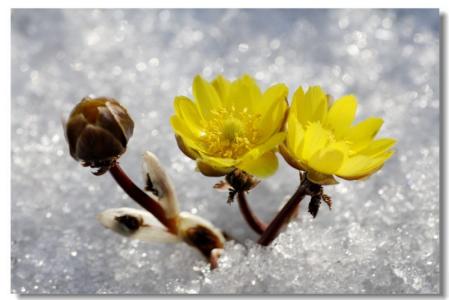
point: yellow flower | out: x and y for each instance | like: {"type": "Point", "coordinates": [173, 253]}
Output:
{"type": "Point", "coordinates": [231, 125]}
{"type": "Point", "coordinates": [322, 141]}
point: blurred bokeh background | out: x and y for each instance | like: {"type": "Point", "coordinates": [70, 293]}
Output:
{"type": "Point", "coordinates": [382, 235]}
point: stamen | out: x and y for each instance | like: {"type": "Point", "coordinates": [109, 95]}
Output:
{"type": "Point", "coordinates": [230, 133]}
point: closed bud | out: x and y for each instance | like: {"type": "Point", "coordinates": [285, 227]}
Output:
{"type": "Point", "coordinates": [136, 224]}
{"type": "Point", "coordinates": [98, 131]}
{"type": "Point", "coordinates": [200, 233]}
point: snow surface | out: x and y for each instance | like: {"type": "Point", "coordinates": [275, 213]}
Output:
{"type": "Point", "coordinates": [382, 235]}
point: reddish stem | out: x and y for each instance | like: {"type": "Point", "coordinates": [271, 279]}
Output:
{"type": "Point", "coordinates": [285, 214]}
{"type": "Point", "coordinates": [139, 196]}
{"type": "Point", "coordinates": [254, 222]}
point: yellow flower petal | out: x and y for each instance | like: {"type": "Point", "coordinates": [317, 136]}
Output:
{"type": "Point", "coordinates": [259, 150]}
{"type": "Point", "coordinates": [189, 139]}
{"type": "Point", "coordinates": [378, 147]}
{"type": "Point", "coordinates": [273, 94]}
{"type": "Point", "coordinates": [311, 106]}
{"type": "Point", "coordinates": [327, 161]}
{"type": "Point", "coordinates": [290, 158]}
{"type": "Point", "coordinates": [186, 110]}
{"type": "Point", "coordinates": [297, 100]}
{"type": "Point", "coordinates": [211, 170]}
{"type": "Point", "coordinates": [384, 156]}
{"type": "Point", "coordinates": [243, 94]}
{"type": "Point", "coordinates": [315, 138]}
{"type": "Point", "coordinates": [376, 165]}
{"type": "Point", "coordinates": [273, 120]}
{"type": "Point", "coordinates": [341, 115]}
{"type": "Point", "coordinates": [262, 167]}
{"type": "Point", "coordinates": [222, 86]}
{"type": "Point", "coordinates": [354, 166]}
{"type": "Point", "coordinates": [206, 97]}
{"type": "Point", "coordinates": [363, 133]}
{"type": "Point", "coordinates": [188, 151]}
{"type": "Point", "coordinates": [295, 135]}
{"type": "Point", "coordinates": [342, 146]}
{"type": "Point", "coordinates": [361, 166]}
{"type": "Point", "coordinates": [181, 127]}
{"type": "Point", "coordinates": [219, 161]}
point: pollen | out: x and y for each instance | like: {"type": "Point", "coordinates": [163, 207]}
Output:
{"type": "Point", "coordinates": [230, 133]}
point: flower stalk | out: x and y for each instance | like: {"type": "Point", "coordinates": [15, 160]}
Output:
{"type": "Point", "coordinates": [255, 223]}
{"type": "Point", "coordinates": [140, 196]}
{"type": "Point", "coordinates": [305, 188]}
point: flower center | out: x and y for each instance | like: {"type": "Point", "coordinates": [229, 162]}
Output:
{"type": "Point", "coordinates": [232, 129]}
{"type": "Point", "coordinates": [230, 133]}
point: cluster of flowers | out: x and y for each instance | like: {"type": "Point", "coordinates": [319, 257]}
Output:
{"type": "Point", "coordinates": [232, 125]}
{"type": "Point", "coordinates": [230, 129]}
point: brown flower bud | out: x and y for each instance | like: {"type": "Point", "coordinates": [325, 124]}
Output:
{"type": "Point", "coordinates": [97, 132]}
